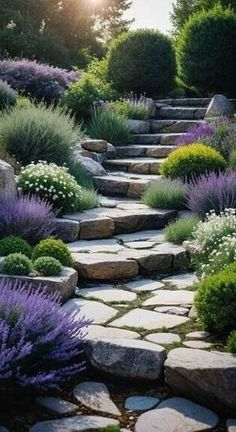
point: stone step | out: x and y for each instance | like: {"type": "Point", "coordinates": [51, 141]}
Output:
{"type": "Point", "coordinates": [155, 138]}
{"type": "Point", "coordinates": [105, 222]}
{"type": "Point", "coordinates": [173, 126]}
{"type": "Point", "coordinates": [159, 151]}
{"type": "Point", "coordinates": [186, 102]}
{"type": "Point", "coordinates": [124, 184]}
{"type": "Point", "coordinates": [184, 113]}
{"type": "Point", "coordinates": [136, 165]}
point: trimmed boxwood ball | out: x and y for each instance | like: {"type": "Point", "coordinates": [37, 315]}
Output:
{"type": "Point", "coordinates": [206, 51]}
{"type": "Point", "coordinates": [192, 161]}
{"type": "Point", "coordinates": [48, 266]}
{"type": "Point", "coordinates": [53, 248]}
{"type": "Point", "coordinates": [13, 244]}
{"type": "Point", "coordinates": [142, 61]}
{"type": "Point", "coordinates": [216, 302]}
{"type": "Point", "coordinates": [17, 264]}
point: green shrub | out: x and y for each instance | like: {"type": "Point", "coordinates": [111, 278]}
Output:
{"type": "Point", "coordinates": [13, 244]}
{"type": "Point", "coordinates": [192, 161]}
{"type": "Point", "coordinates": [129, 110]}
{"type": "Point", "coordinates": [209, 37]}
{"type": "Point", "coordinates": [81, 95]}
{"type": "Point", "coordinates": [39, 133]}
{"type": "Point", "coordinates": [232, 160]}
{"type": "Point", "coordinates": [223, 138]}
{"type": "Point", "coordinates": [216, 302]}
{"type": "Point", "coordinates": [165, 194]}
{"type": "Point", "coordinates": [182, 229]}
{"type": "Point", "coordinates": [48, 266]}
{"type": "Point", "coordinates": [53, 248]}
{"type": "Point", "coordinates": [89, 199]}
{"type": "Point", "coordinates": [231, 342]}
{"type": "Point", "coordinates": [52, 183]}
{"type": "Point", "coordinates": [142, 61]}
{"type": "Point", "coordinates": [109, 126]}
{"type": "Point", "coordinates": [8, 96]}
{"type": "Point", "coordinates": [17, 264]}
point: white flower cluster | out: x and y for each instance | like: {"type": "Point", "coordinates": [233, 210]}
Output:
{"type": "Point", "coordinates": [51, 182]}
{"type": "Point", "coordinates": [221, 257]}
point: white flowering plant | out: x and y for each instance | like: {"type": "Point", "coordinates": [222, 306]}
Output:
{"type": "Point", "coordinates": [52, 183]}
{"type": "Point", "coordinates": [219, 258]}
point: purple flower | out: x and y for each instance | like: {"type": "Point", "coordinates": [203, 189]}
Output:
{"type": "Point", "coordinates": [40, 344]}
{"type": "Point", "coordinates": [196, 134]}
{"type": "Point", "coordinates": [29, 217]}
{"type": "Point", "coordinates": [212, 192]}
{"type": "Point", "coordinates": [35, 80]}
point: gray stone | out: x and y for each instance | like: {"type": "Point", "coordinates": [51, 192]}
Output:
{"type": "Point", "coordinates": [177, 414]}
{"type": "Point", "coordinates": [139, 126]}
{"type": "Point", "coordinates": [174, 310]}
{"type": "Point", "coordinates": [108, 294]}
{"type": "Point", "coordinates": [154, 235]}
{"type": "Point", "coordinates": [111, 150]}
{"type": "Point", "coordinates": [74, 424]}
{"type": "Point", "coordinates": [126, 357]}
{"type": "Point", "coordinates": [144, 285]}
{"type": "Point", "coordinates": [140, 245]}
{"type": "Point", "coordinates": [141, 403]}
{"type": "Point", "coordinates": [94, 246]}
{"type": "Point", "coordinates": [67, 230]}
{"type": "Point", "coordinates": [206, 376]}
{"type": "Point", "coordinates": [169, 298]}
{"type": "Point", "coordinates": [91, 167]}
{"type": "Point", "coordinates": [151, 106]}
{"type": "Point", "coordinates": [198, 335]}
{"type": "Point", "coordinates": [96, 396]}
{"type": "Point", "coordinates": [57, 406]}
{"type": "Point", "coordinates": [95, 311]}
{"type": "Point", "coordinates": [197, 344]}
{"type": "Point", "coordinates": [94, 145]}
{"type": "Point", "coordinates": [231, 425]}
{"type": "Point", "coordinates": [148, 320]}
{"type": "Point", "coordinates": [3, 429]}
{"type": "Point", "coordinates": [181, 281]}
{"type": "Point", "coordinates": [163, 338]}
{"type": "Point", "coordinates": [99, 332]}
{"type": "Point", "coordinates": [7, 180]}
{"type": "Point", "coordinates": [220, 106]}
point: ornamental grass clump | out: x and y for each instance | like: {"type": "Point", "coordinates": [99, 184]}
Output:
{"type": "Point", "coordinates": [110, 126]}
{"type": "Point", "coordinates": [52, 183]}
{"type": "Point", "coordinates": [8, 96]}
{"type": "Point", "coordinates": [28, 217]}
{"type": "Point", "coordinates": [192, 161]}
{"type": "Point", "coordinates": [134, 111]}
{"type": "Point", "coordinates": [166, 194]}
{"type": "Point", "coordinates": [181, 230]}
{"type": "Point", "coordinates": [40, 342]}
{"type": "Point", "coordinates": [212, 192]}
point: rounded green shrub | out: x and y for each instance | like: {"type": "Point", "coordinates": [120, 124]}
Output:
{"type": "Point", "coordinates": [206, 54]}
{"type": "Point", "coordinates": [182, 229]}
{"type": "Point", "coordinates": [47, 266]}
{"type": "Point", "coordinates": [142, 61]}
{"type": "Point", "coordinates": [231, 342]}
{"type": "Point", "coordinates": [216, 302]}
{"type": "Point", "coordinates": [37, 133]}
{"type": "Point", "coordinates": [192, 161]}
{"type": "Point", "coordinates": [166, 194]}
{"type": "Point", "coordinates": [17, 264]}
{"type": "Point", "coordinates": [13, 244]}
{"type": "Point", "coordinates": [53, 248]}
{"type": "Point", "coordinates": [8, 96]}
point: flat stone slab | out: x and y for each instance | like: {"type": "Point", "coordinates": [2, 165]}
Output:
{"type": "Point", "coordinates": [56, 406]}
{"type": "Point", "coordinates": [177, 414]}
{"type": "Point", "coordinates": [67, 230]}
{"type": "Point", "coordinates": [231, 425]}
{"type": "Point", "coordinates": [144, 285]}
{"type": "Point", "coordinates": [100, 332]}
{"type": "Point", "coordinates": [94, 311]}
{"type": "Point", "coordinates": [108, 294]}
{"type": "Point", "coordinates": [182, 281]}
{"type": "Point", "coordinates": [163, 338]}
{"type": "Point", "coordinates": [95, 246]}
{"type": "Point", "coordinates": [198, 335]}
{"type": "Point", "coordinates": [173, 310]}
{"type": "Point", "coordinates": [154, 235]}
{"type": "Point", "coordinates": [197, 344]}
{"type": "Point", "coordinates": [96, 396]}
{"type": "Point", "coordinates": [126, 357]}
{"type": "Point", "coordinates": [206, 376]}
{"type": "Point", "coordinates": [169, 298]}
{"type": "Point", "coordinates": [141, 403]}
{"type": "Point", "coordinates": [140, 245]}
{"type": "Point", "coordinates": [74, 424]}
{"type": "Point", "coordinates": [148, 320]}
{"type": "Point", "coordinates": [136, 165]}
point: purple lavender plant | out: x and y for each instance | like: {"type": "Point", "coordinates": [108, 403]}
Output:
{"type": "Point", "coordinates": [35, 80]}
{"type": "Point", "coordinates": [40, 343]}
{"type": "Point", "coordinates": [28, 217]}
{"type": "Point", "coordinates": [212, 192]}
{"type": "Point", "coordinates": [199, 133]}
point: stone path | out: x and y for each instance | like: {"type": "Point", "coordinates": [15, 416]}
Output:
{"type": "Point", "coordinates": [133, 286]}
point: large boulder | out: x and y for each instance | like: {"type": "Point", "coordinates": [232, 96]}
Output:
{"type": "Point", "coordinates": [7, 180]}
{"type": "Point", "coordinates": [220, 106]}
{"type": "Point", "coordinates": [209, 377]}
{"type": "Point", "coordinates": [139, 126]}
{"type": "Point", "coordinates": [91, 167]}
{"type": "Point", "coordinates": [94, 145]}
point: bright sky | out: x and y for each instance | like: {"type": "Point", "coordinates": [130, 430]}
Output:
{"type": "Point", "coordinates": [151, 14]}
